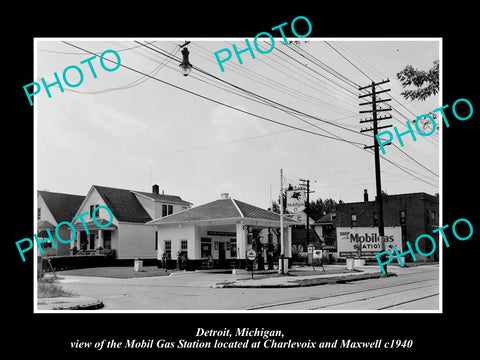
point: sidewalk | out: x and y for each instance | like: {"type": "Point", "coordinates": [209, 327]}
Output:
{"type": "Point", "coordinates": [296, 279]}
{"type": "Point", "coordinates": [299, 276]}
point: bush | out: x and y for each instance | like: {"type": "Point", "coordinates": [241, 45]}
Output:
{"type": "Point", "coordinates": [80, 261]}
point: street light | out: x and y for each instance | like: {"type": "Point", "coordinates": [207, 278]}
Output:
{"type": "Point", "coordinates": [185, 66]}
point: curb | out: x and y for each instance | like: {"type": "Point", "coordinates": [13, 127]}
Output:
{"type": "Point", "coordinates": [71, 303]}
{"type": "Point", "coordinates": [309, 282]}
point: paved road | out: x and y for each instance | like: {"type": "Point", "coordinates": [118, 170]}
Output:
{"type": "Point", "coordinates": [415, 288]}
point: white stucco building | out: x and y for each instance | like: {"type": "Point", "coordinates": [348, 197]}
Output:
{"type": "Point", "coordinates": [222, 229]}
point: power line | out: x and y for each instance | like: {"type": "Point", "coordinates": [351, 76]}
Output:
{"type": "Point", "coordinates": [305, 72]}
{"type": "Point", "coordinates": [244, 111]}
{"type": "Point", "coordinates": [417, 162]}
{"type": "Point", "coordinates": [413, 159]}
{"type": "Point", "coordinates": [316, 72]}
{"type": "Point", "coordinates": [134, 83]}
{"type": "Point", "coordinates": [275, 85]}
{"type": "Point", "coordinates": [355, 66]}
{"type": "Point", "coordinates": [269, 101]}
{"type": "Point", "coordinates": [235, 86]}
{"type": "Point", "coordinates": [305, 54]}
{"type": "Point", "coordinates": [219, 102]}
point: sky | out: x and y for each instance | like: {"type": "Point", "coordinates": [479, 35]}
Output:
{"type": "Point", "coordinates": [127, 130]}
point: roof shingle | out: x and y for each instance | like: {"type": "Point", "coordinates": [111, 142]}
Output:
{"type": "Point", "coordinates": [62, 206]}
{"type": "Point", "coordinates": [123, 204]}
{"type": "Point", "coordinates": [218, 210]}
{"type": "Point", "coordinates": [164, 197]}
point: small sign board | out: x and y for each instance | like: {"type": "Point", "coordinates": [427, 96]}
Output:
{"type": "Point", "coordinates": [251, 254]}
{"type": "Point", "coordinates": [295, 200]}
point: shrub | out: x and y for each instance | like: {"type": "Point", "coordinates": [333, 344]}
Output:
{"type": "Point", "coordinates": [80, 261]}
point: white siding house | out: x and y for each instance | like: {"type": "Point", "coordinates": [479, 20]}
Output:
{"type": "Point", "coordinates": [127, 234]}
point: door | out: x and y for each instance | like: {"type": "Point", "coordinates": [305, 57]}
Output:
{"type": "Point", "coordinates": [83, 240]}
{"type": "Point", "coordinates": [221, 252]}
{"type": "Point", "coordinates": [107, 239]}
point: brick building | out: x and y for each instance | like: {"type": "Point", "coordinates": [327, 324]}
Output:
{"type": "Point", "coordinates": [414, 213]}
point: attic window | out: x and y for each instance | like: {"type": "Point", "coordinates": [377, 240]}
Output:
{"type": "Point", "coordinates": [92, 207]}
{"type": "Point", "coordinates": [167, 210]}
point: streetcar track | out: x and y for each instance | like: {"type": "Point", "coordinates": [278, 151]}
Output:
{"type": "Point", "coordinates": [409, 301]}
{"type": "Point", "coordinates": [376, 296]}
{"type": "Point", "coordinates": [334, 295]}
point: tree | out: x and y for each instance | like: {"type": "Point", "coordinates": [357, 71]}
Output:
{"type": "Point", "coordinates": [426, 82]}
{"type": "Point", "coordinates": [319, 205]}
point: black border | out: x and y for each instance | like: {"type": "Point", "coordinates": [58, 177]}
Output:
{"type": "Point", "coordinates": [432, 333]}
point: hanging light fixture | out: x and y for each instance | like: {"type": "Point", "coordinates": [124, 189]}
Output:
{"type": "Point", "coordinates": [185, 66]}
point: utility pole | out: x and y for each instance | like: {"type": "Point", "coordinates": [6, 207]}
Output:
{"type": "Point", "coordinates": [375, 128]}
{"type": "Point", "coordinates": [282, 244]}
{"type": "Point", "coordinates": [306, 186]}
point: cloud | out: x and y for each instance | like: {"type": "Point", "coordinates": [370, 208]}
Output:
{"type": "Point", "coordinates": [229, 124]}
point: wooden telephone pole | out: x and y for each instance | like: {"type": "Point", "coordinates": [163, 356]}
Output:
{"type": "Point", "coordinates": [375, 119]}
{"type": "Point", "coordinates": [305, 185]}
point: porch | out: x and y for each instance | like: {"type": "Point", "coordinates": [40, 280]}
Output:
{"type": "Point", "coordinates": [98, 240]}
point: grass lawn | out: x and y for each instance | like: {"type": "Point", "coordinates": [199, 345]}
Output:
{"type": "Point", "coordinates": [119, 272]}
{"type": "Point", "coordinates": [47, 288]}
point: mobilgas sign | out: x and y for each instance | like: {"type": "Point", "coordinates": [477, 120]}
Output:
{"type": "Point", "coordinates": [295, 200]}
{"type": "Point", "coordinates": [349, 239]}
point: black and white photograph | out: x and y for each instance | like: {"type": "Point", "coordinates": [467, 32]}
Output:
{"type": "Point", "coordinates": [239, 175]}
{"type": "Point", "coordinates": [297, 181]}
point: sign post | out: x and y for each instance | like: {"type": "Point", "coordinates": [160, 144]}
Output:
{"type": "Point", "coordinates": [251, 255]}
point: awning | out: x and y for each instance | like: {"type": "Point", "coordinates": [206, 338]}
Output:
{"type": "Point", "coordinates": [91, 226]}
{"type": "Point", "coordinates": [42, 227]}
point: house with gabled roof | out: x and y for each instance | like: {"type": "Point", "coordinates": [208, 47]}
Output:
{"type": "Point", "coordinates": [127, 233]}
{"type": "Point", "coordinates": [52, 209]}
{"type": "Point", "coordinates": [223, 230]}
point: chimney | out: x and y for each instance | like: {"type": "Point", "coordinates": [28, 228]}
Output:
{"type": "Point", "coordinates": [224, 196]}
{"type": "Point", "coordinates": [365, 195]}
{"type": "Point", "coordinates": [155, 189]}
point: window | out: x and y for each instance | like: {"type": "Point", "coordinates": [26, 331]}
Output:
{"type": "Point", "coordinates": [430, 216]}
{"type": "Point", "coordinates": [168, 247]}
{"type": "Point", "coordinates": [184, 247]}
{"type": "Point", "coordinates": [233, 247]}
{"type": "Point", "coordinates": [375, 218]}
{"type": "Point", "coordinates": [155, 245]}
{"type": "Point", "coordinates": [433, 218]}
{"type": "Point", "coordinates": [167, 210]}
{"type": "Point", "coordinates": [92, 207]}
{"type": "Point", "coordinates": [403, 217]}
{"type": "Point", "coordinates": [353, 220]}
{"type": "Point", "coordinates": [39, 213]}
{"type": "Point", "coordinates": [206, 247]}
